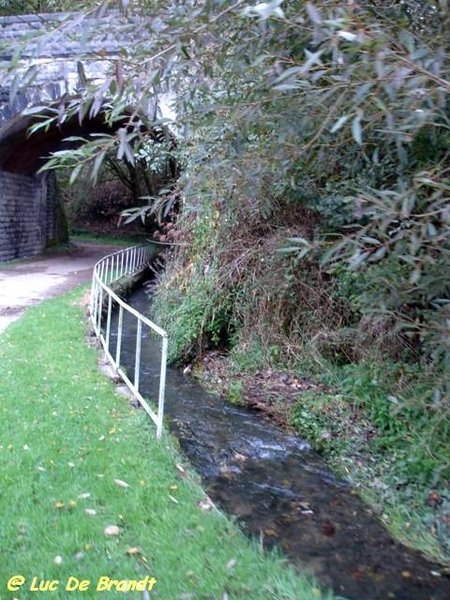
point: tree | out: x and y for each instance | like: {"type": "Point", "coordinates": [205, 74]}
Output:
{"type": "Point", "coordinates": [338, 107]}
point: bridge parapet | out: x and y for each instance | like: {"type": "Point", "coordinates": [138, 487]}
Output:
{"type": "Point", "coordinates": [50, 63]}
{"type": "Point", "coordinates": [73, 34]}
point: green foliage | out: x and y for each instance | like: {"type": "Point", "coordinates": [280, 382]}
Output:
{"type": "Point", "coordinates": [189, 301]}
{"type": "Point", "coordinates": [411, 418]}
{"type": "Point", "coordinates": [194, 319]}
{"type": "Point", "coordinates": [323, 419]}
{"type": "Point", "coordinates": [339, 108]}
{"type": "Point", "coordinates": [313, 145]}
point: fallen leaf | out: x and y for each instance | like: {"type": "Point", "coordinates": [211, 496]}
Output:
{"type": "Point", "coordinates": [328, 529]}
{"type": "Point", "coordinates": [231, 563]}
{"type": "Point", "coordinates": [84, 496]}
{"type": "Point", "coordinates": [239, 456]}
{"type": "Point", "coordinates": [112, 530]}
{"type": "Point", "coordinates": [90, 512]}
{"type": "Point", "coordinates": [133, 550]}
{"type": "Point", "coordinates": [226, 473]}
{"type": "Point", "coordinates": [434, 499]}
{"type": "Point", "coordinates": [58, 560]}
{"type": "Point", "coordinates": [59, 504]}
{"type": "Point", "coordinates": [205, 504]}
{"type": "Point", "coordinates": [270, 532]}
{"type": "Point", "coordinates": [173, 499]}
{"type": "Point", "coordinates": [121, 483]}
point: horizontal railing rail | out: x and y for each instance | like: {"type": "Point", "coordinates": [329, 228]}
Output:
{"type": "Point", "coordinates": [111, 269]}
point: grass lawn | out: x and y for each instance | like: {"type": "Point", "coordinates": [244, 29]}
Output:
{"type": "Point", "coordinates": [88, 495]}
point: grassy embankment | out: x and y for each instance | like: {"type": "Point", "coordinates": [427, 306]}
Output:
{"type": "Point", "coordinates": [77, 460]}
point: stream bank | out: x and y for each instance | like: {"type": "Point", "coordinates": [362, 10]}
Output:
{"type": "Point", "coordinates": [416, 515]}
{"type": "Point", "coordinates": [282, 492]}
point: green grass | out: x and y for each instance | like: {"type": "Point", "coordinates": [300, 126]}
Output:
{"type": "Point", "coordinates": [65, 439]}
{"type": "Point", "coordinates": [119, 240]}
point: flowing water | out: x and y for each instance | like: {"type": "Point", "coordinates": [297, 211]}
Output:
{"type": "Point", "coordinates": [282, 492]}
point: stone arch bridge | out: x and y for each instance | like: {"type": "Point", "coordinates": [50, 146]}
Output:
{"type": "Point", "coordinates": [31, 217]}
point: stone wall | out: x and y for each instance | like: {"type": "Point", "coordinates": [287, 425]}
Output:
{"type": "Point", "coordinates": [30, 216]}
{"type": "Point", "coordinates": [55, 226]}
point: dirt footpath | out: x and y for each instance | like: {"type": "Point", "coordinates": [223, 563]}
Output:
{"type": "Point", "coordinates": [27, 283]}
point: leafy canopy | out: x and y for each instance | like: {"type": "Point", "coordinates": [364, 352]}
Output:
{"type": "Point", "coordinates": [339, 106]}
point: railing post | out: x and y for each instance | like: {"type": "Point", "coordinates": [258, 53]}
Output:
{"type": "Point", "coordinates": [99, 309]}
{"type": "Point", "coordinates": [119, 336]}
{"type": "Point", "coordinates": [108, 322]}
{"type": "Point", "coordinates": [162, 387]}
{"type": "Point", "coordinates": [137, 363]}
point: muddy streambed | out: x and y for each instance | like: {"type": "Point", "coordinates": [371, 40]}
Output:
{"type": "Point", "coordinates": [281, 491]}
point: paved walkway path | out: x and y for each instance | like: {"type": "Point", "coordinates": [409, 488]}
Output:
{"type": "Point", "coordinates": [26, 283]}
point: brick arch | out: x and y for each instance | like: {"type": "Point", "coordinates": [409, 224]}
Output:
{"type": "Point", "coordinates": [23, 153]}
{"type": "Point", "coordinates": [31, 216]}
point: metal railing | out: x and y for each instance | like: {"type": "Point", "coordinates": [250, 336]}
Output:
{"type": "Point", "coordinates": [111, 269]}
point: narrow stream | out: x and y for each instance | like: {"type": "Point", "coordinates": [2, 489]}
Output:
{"type": "Point", "coordinates": [282, 492]}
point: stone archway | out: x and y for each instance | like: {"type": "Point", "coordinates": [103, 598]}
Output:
{"type": "Point", "coordinates": [31, 216]}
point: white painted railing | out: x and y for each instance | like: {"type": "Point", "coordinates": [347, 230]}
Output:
{"type": "Point", "coordinates": [125, 264]}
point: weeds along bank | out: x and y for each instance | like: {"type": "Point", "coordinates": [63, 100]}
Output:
{"type": "Point", "coordinates": [372, 407]}
{"type": "Point", "coordinates": [314, 238]}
